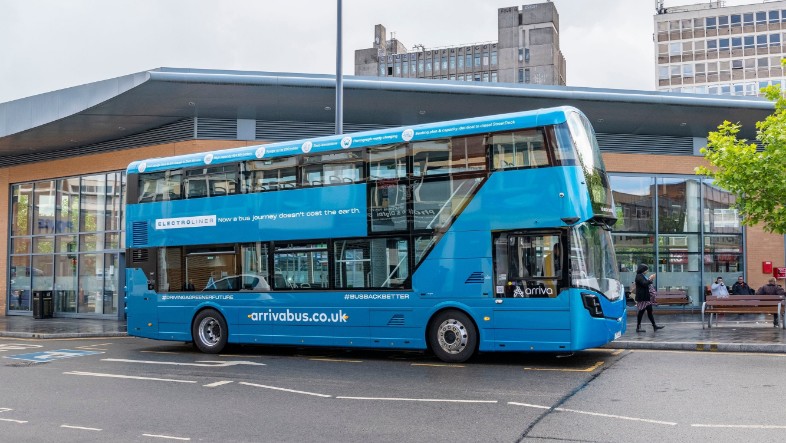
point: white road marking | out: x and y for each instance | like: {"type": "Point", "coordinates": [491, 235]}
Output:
{"type": "Point", "coordinates": [528, 405]}
{"type": "Point", "coordinates": [132, 377]}
{"type": "Point", "coordinates": [239, 356]}
{"type": "Point", "coordinates": [5, 409]}
{"type": "Point", "coordinates": [433, 400]}
{"type": "Point", "coordinates": [218, 383]}
{"type": "Point", "coordinates": [17, 346]}
{"type": "Point", "coordinates": [621, 417]}
{"type": "Point", "coordinates": [83, 428]}
{"type": "Point", "coordinates": [596, 414]}
{"type": "Point", "coordinates": [285, 389]}
{"type": "Point", "coordinates": [200, 363]}
{"type": "Point", "coordinates": [739, 426]}
{"type": "Point", "coordinates": [162, 352]}
{"type": "Point", "coordinates": [167, 436]}
{"type": "Point", "coordinates": [12, 420]}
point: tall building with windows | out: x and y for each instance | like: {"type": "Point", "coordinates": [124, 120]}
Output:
{"type": "Point", "coordinates": [709, 48]}
{"type": "Point", "coordinates": [527, 51]}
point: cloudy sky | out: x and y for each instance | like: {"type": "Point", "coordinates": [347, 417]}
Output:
{"type": "Point", "coordinates": [54, 44]}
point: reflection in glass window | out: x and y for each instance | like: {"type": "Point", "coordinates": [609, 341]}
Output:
{"type": "Point", "coordinates": [160, 186]}
{"type": "Point", "coordinates": [634, 203]}
{"type": "Point", "coordinates": [212, 181]}
{"type": "Point", "coordinates": [371, 263]}
{"type": "Point", "coordinates": [44, 208]}
{"type": "Point", "coordinates": [449, 156]}
{"type": "Point", "coordinates": [22, 209]}
{"type": "Point", "coordinates": [527, 266]}
{"type": "Point", "coordinates": [302, 266]}
{"type": "Point", "coordinates": [270, 174]}
{"type": "Point", "coordinates": [723, 254]}
{"type": "Point", "coordinates": [387, 162]}
{"type": "Point", "coordinates": [719, 214]}
{"type": "Point", "coordinates": [332, 169]}
{"type": "Point", "coordinates": [91, 283]}
{"type": "Point", "coordinates": [436, 203]}
{"type": "Point", "coordinates": [678, 205]}
{"type": "Point", "coordinates": [387, 206]}
{"type": "Point", "coordinates": [518, 149]}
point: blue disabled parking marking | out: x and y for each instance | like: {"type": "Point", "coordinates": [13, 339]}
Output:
{"type": "Point", "coordinates": [47, 356]}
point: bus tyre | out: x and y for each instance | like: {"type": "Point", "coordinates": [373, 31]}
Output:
{"type": "Point", "coordinates": [209, 331]}
{"type": "Point", "coordinates": [452, 336]}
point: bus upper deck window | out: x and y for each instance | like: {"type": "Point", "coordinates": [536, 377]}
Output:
{"type": "Point", "coordinates": [519, 149]}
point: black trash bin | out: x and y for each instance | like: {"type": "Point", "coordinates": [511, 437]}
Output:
{"type": "Point", "coordinates": [42, 304]}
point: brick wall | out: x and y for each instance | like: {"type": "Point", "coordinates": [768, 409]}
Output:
{"type": "Point", "coordinates": [762, 246]}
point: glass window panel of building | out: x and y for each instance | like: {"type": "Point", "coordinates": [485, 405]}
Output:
{"type": "Point", "coordinates": [66, 237]}
{"type": "Point", "coordinates": [691, 221]}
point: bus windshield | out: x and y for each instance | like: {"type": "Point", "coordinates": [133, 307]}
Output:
{"type": "Point", "coordinates": [593, 264]}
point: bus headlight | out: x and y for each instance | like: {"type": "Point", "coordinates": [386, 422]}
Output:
{"type": "Point", "coordinates": [592, 304]}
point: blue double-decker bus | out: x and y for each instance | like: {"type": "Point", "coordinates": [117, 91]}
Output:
{"type": "Point", "coordinates": [483, 234]}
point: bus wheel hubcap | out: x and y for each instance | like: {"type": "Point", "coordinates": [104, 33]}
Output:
{"type": "Point", "coordinates": [452, 336]}
{"type": "Point", "coordinates": [209, 331]}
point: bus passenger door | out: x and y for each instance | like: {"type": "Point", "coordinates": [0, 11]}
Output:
{"type": "Point", "coordinates": [529, 311]}
{"type": "Point", "coordinates": [141, 304]}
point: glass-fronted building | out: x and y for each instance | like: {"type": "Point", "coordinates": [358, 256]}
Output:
{"type": "Point", "coordinates": [682, 227]}
{"type": "Point", "coordinates": [66, 236]}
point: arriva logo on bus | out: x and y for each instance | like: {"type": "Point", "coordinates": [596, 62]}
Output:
{"type": "Point", "coordinates": [527, 292]}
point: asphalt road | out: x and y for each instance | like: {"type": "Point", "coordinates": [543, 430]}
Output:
{"type": "Point", "coordinates": [130, 389]}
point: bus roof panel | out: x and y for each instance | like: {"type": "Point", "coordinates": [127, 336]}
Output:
{"type": "Point", "coordinates": [429, 131]}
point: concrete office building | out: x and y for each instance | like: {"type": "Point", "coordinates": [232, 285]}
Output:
{"type": "Point", "coordinates": [63, 156]}
{"type": "Point", "coordinates": [527, 51]}
{"type": "Point", "coordinates": [708, 48]}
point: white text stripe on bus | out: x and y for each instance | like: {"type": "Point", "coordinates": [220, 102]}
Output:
{"type": "Point", "coordinates": [218, 383]}
{"type": "Point", "coordinates": [435, 400]}
{"type": "Point", "coordinates": [13, 421]}
{"type": "Point", "coordinates": [596, 414]}
{"type": "Point", "coordinates": [83, 428]}
{"type": "Point", "coordinates": [167, 436]}
{"type": "Point", "coordinates": [739, 426]}
{"type": "Point", "coordinates": [132, 377]}
{"type": "Point", "coordinates": [284, 389]}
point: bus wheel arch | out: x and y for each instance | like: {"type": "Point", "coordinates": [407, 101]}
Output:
{"type": "Point", "coordinates": [452, 335]}
{"type": "Point", "coordinates": [209, 331]}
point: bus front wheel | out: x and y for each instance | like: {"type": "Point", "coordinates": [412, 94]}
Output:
{"type": "Point", "coordinates": [209, 331]}
{"type": "Point", "coordinates": [452, 336]}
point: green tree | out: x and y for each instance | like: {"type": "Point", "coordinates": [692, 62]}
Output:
{"type": "Point", "coordinates": [758, 178]}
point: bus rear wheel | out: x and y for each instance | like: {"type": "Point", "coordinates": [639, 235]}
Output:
{"type": "Point", "coordinates": [209, 331]}
{"type": "Point", "coordinates": [452, 336]}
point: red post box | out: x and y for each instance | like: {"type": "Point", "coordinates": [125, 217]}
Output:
{"type": "Point", "coordinates": [766, 267]}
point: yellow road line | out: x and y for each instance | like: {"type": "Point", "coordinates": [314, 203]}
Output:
{"type": "Point", "coordinates": [590, 369]}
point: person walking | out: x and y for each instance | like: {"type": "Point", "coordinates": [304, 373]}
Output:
{"type": "Point", "coordinates": [771, 288]}
{"type": "Point", "coordinates": [643, 297]}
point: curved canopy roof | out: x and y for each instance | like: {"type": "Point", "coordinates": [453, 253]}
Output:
{"type": "Point", "coordinates": [115, 108]}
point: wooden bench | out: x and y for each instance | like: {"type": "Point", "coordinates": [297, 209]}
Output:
{"type": "Point", "coordinates": [676, 297]}
{"type": "Point", "coordinates": [742, 304]}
